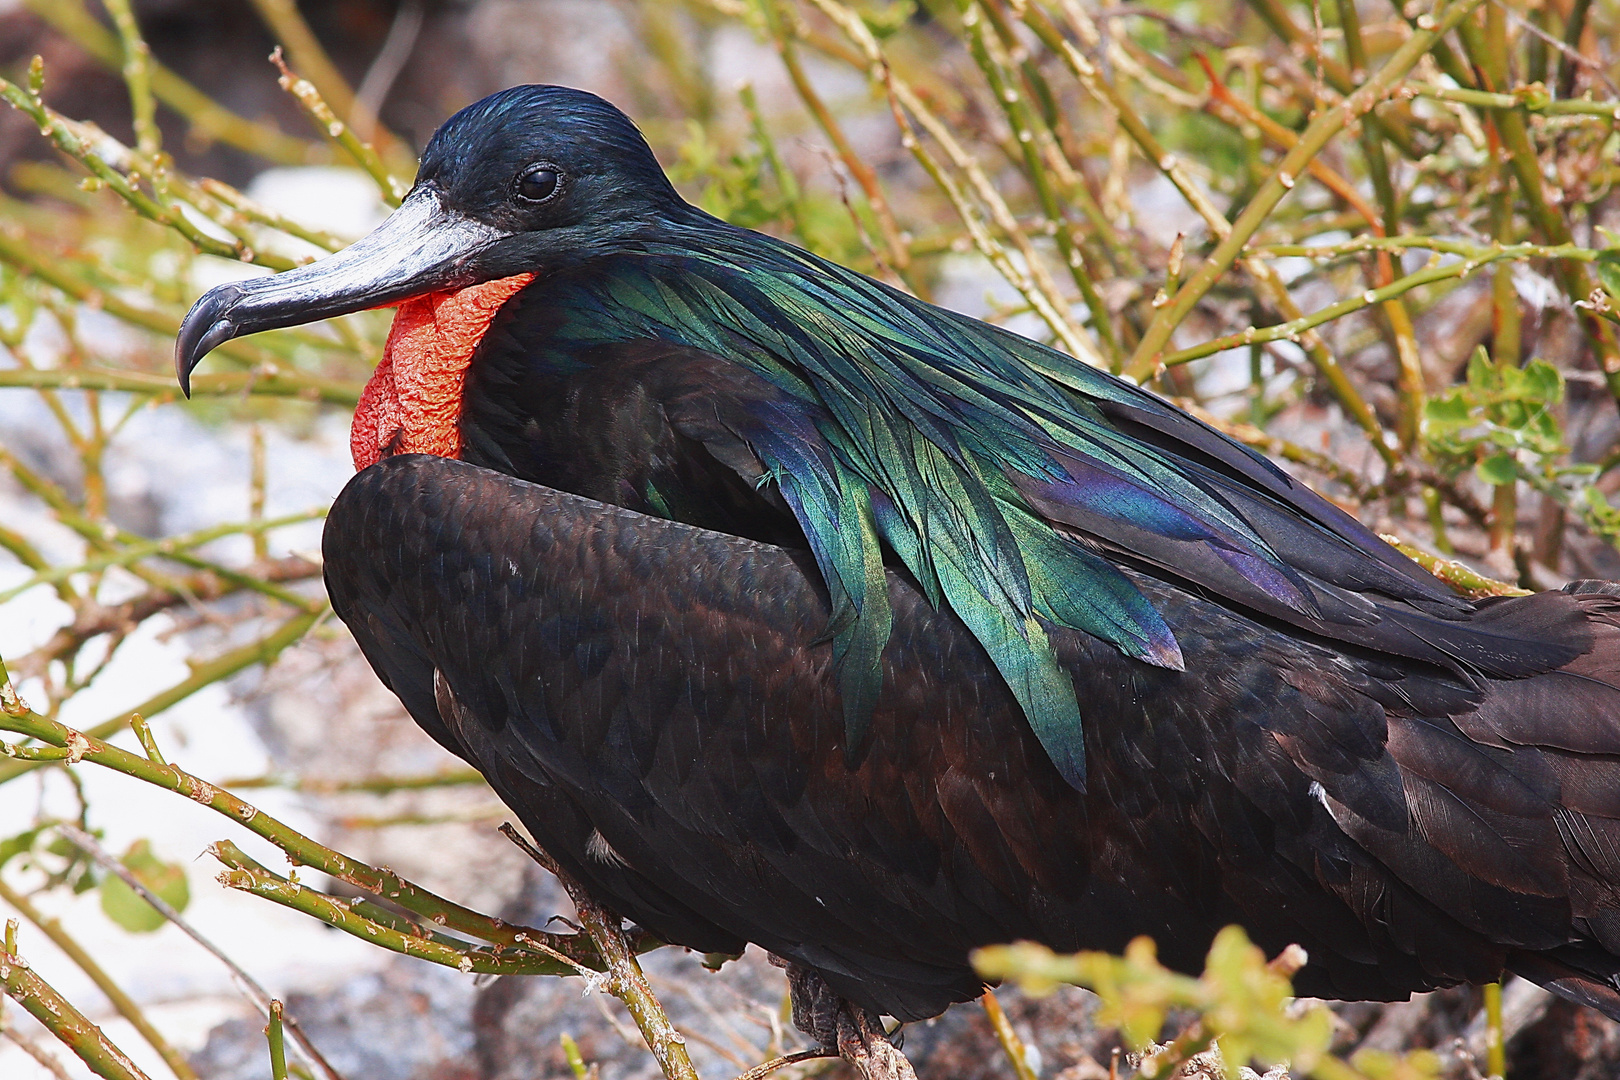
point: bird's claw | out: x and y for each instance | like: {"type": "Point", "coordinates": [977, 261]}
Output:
{"type": "Point", "coordinates": [841, 1027]}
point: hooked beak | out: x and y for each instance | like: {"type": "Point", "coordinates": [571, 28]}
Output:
{"type": "Point", "coordinates": [420, 248]}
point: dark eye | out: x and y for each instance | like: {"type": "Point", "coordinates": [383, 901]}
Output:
{"type": "Point", "coordinates": [538, 184]}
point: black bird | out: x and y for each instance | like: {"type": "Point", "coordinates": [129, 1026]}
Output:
{"type": "Point", "coordinates": [784, 608]}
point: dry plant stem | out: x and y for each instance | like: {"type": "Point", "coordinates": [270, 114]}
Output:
{"type": "Point", "coordinates": [1228, 107]}
{"type": "Point", "coordinates": [1487, 52]}
{"type": "Point", "coordinates": [103, 536]}
{"type": "Point", "coordinates": [261, 999]}
{"type": "Point", "coordinates": [85, 144]}
{"type": "Point", "coordinates": [165, 548]}
{"type": "Point", "coordinates": [1031, 280]}
{"type": "Point", "coordinates": [121, 1002]}
{"type": "Point", "coordinates": [97, 532]}
{"type": "Point", "coordinates": [264, 650]}
{"type": "Point", "coordinates": [231, 384]}
{"type": "Point", "coordinates": [1527, 99]}
{"type": "Point", "coordinates": [1148, 353]}
{"type": "Point", "coordinates": [759, 1072]}
{"type": "Point", "coordinates": [899, 256]}
{"type": "Point", "coordinates": [16, 249]}
{"type": "Point", "coordinates": [1398, 287]}
{"type": "Point", "coordinates": [625, 979]}
{"type": "Point", "coordinates": [314, 105]}
{"type": "Point", "coordinates": [70, 1026]}
{"type": "Point", "coordinates": [1402, 334]}
{"type": "Point", "coordinates": [1342, 79]}
{"type": "Point", "coordinates": [993, 61]}
{"type": "Point", "coordinates": [1467, 582]}
{"type": "Point", "coordinates": [245, 206]}
{"type": "Point", "coordinates": [1574, 29]}
{"type": "Point", "coordinates": [1270, 286]}
{"type": "Point", "coordinates": [378, 785]}
{"type": "Point", "coordinates": [376, 925]}
{"type": "Point", "coordinates": [208, 120]}
{"type": "Point", "coordinates": [1050, 136]}
{"type": "Point", "coordinates": [46, 1059]}
{"type": "Point", "coordinates": [1011, 1044]}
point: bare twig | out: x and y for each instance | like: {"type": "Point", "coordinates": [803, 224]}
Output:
{"type": "Point", "coordinates": [257, 994]}
{"type": "Point", "coordinates": [625, 979]}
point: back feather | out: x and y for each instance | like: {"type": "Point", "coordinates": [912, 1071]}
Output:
{"type": "Point", "coordinates": [1006, 476]}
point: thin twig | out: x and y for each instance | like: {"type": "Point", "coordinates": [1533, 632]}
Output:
{"type": "Point", "coordinates": [759, 1072]}
{"type": "Point", "coordinates": [257, 994]}
{"type": "Point", "coordinates": [625, 979]}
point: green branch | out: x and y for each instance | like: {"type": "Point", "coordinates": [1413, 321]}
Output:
{"type": "Point", "coordinates": [1148, 355]}
{"type": "Point", "coordinates": [70, 1026]}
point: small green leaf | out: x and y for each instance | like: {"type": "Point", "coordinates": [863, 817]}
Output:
{"type": "Point", "coordinates": [12, 846]}
{"type": "Point", "coordinates": [124, 906]}
{"type": "Point", "coordinates": [1498, 469]}
{"type": "Point", "coordinates": [1608, 267]}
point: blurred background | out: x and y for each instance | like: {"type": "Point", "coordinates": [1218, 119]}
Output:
{"type": "Point", "coordinates": [162, 557]}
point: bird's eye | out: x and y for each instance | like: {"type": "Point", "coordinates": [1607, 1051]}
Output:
{"type": "Point", "coordinates": [538, 184]}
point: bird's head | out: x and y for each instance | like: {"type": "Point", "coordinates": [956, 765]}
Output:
{"type": "Point", "coordinates": [526, 180]}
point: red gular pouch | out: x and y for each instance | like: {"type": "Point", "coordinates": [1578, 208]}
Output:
{"type": "Point", "coordinates": [412, 405]}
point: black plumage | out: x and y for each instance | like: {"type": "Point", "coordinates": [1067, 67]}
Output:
{"type": "Point", "coordinates": [784, 608]}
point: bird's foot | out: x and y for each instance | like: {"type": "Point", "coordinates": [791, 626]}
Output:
{"type": "Point", "coordinates": [841, 1027]}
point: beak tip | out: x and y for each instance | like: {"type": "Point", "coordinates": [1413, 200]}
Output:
{"type": "Point", "coordinates": [207, 326]}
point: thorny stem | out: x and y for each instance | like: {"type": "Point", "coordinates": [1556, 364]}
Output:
{"type": "Point", "coordinates": [1400, 286]}
{"type": "Point", "coordinates": [1147, 357]}
{"type": "Point", "coordinates": [299, 849]}
{"type": "Point", "coordinates": [376, 925]}
{"type": "Point", "coordinates": [1487, 52]}
{"type": "Point", "coordinates": [1031, 279]}
{"type": "Point", "coordinates": [122, 1003]}
{"type": "Point", "coordinates": [264, 650]}
{"type": "Point", "coordinates": [625, 979]}
{"type": "Point", "coordinates": [209, 120]}
{"type": "Point", "coordinates": [314, 105]}
{"type": "Point", "coordinates": [865, 176]}
{"type": "Point", "coordinates": [260, 998]}
{"type": "Point", "coordinates": [995, 64]}
{"type": "Point", "coordinates": [164, 548]}
{"type": "Point", "coordinates": [1403, 336]}
{"type": "Point", "coordinates": [1269, 284]}
{"type": "Point", "coordinates": [70, 1026]}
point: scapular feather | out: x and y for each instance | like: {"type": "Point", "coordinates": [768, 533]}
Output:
{"type": "Point", "coordinates": [981, 460]}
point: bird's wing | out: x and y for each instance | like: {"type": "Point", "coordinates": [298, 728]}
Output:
{"type": "Point", "coordinates": [1012, 480]}
{"type": "Point", "coordinates": [655, 702]}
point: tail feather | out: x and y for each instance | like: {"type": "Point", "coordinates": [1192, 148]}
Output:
{"type": "Point", "coordinates": [1573, 975]}
{"type": "Point", "coordinates": [1568, 721]}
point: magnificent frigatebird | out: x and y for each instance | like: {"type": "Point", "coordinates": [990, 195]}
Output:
{"type": "Point", "coordinates": [784, 608]}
